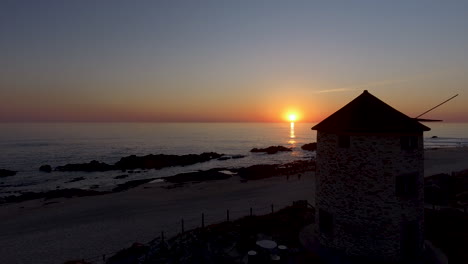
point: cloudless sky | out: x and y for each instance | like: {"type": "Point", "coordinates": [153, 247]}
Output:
{"type": "Point", "coordinates": [228, 60]}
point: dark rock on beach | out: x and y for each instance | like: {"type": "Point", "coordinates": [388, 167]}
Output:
{"type": "Point", "coordinates": [76, 179]}
{"type": "Point", "coordinates": [45, 168]}
{"type": "Point", "coordinates": [121, 176]}
{"type": "Point", "coordinates": [271, 149]}
{"type": "Point", "coordinates": [199, 176]}
{"type": "Point", "coordinates": [7, 173]}
{"type": "Point", "coordinates": [231, 157]}
{"type": "Point", "coordinates": [133, 162]}
{"type": "Point", "coordinates": [310, 146]}
{"type": "Point", "coordinates": [256, 172]}
{"type": "Point", "coordinates": [91, 166]}
{"type": "Point", "coordinates": [131, 184]}
{"type": "Point", "coordinates": [162, 160]}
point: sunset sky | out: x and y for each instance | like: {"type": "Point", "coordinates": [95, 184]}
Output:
{"type": "Point", "coordinates": [228, 60]}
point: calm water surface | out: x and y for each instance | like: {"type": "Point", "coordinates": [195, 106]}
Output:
{"type": "Point", "coordinates": [27, 146]}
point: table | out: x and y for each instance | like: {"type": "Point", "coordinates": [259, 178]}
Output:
{"type": "Point", "coordinates": [267, 244]}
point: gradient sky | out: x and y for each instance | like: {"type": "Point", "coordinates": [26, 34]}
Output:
{"type": "Point", "coordinates": [228, 60]}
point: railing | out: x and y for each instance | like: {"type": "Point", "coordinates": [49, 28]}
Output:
{"type": "Point", "coordinates": [180, 226]}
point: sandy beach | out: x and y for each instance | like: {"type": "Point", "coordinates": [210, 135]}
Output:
{"type": "Point", "coordinates": [63, 229]}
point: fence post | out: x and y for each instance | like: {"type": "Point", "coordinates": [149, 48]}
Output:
{"type": "Point", "coordinates": [104, 258]}
{"type": "Point", "coordinates": [203, 220]}
{"type": "Point", "coordinates": [162, 237]}
{"type": "Point", "coordinates": [227, 215]}
{"type": "Point", "coordinates": [250, 211]}
{"type": "Point", "coordinates": [182, 224]}
{"type": "Point", "coordinates": [272, 208]}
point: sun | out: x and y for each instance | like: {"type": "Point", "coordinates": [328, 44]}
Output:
{"type": "Point", "coordinates": [292, 117]}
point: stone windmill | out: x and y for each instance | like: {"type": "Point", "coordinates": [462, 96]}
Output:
{"type": "Point", "coordinates": [369, 188]}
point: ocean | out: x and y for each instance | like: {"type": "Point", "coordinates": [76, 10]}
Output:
{"type": "Point", "coordinates": [26, 146]}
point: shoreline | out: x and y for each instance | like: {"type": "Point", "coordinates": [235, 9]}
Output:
{"type": "Point", "coordinates": [437, 160]}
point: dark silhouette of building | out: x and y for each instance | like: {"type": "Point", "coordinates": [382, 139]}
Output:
{"type": "Point", "coordinates": [369, 189]}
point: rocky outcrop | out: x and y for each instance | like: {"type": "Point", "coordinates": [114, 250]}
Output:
{"type": "Point", "coordinates": [199, 176]}
{"type": "Point", "coordinates": [249, 173]}
{"type": "Point", "coordinates": [310, 146]}
{"type": "Point", "coordinates": [271, 149]}
{"type": "Point", "coordinates": [256, 172]}
{"type": "Point", "coordinates": [91, 166]}
{"type": "Point", "coordinates": [45, 168]}
{"type": "Point", "coordinates": [76, 179]}
{"type": "Point", "coordinates": [162, 160]}
{"type": "Point", "coordinates": [142, 162]}
{"type": "Point", "coordinates": [7, 173]}
{"type": "Point", "coordinates": [224, 157]}
{"type": "Point", "coordinates": [131, 184]}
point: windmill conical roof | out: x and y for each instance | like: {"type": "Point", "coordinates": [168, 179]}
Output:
{"type": "Point", "coordinates": [368, 114]}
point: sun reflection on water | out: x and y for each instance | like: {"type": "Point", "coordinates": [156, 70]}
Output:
{"type": "Point", "coordinates": [292, 135]}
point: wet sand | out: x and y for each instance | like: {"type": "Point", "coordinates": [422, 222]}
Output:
{"type": "Point", "coordinates": [63, 229]}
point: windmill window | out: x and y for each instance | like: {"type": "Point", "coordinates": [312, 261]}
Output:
{"type": "Point", "coordinates": [325, 221]}
{"type": "Point", "coordinates": [344, 141]}
{"type": "Point", "coordinates": [409, 142]}
{"type": "Point", "coordinates": [407, 185]}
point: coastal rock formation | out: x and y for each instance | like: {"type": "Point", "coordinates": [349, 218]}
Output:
{"type": "Point", "coordinates": [310, 146]}
{"type": "Point", "coordinates": [271, 149]}
{"type": "Point", "coordinates": [131, 184]}
{"type": "Point", "coordinates": [199, 176]}
{"type": "Point", "coordinates": [91, 166]}
{"type": "Point", "coordinates": [6, 173]}
{"type": "Point", "coordinates": [45, 168]}
{"type": "Point", "coordinates": [256, 172]}
{"type": "Point", "coordinates": [162, 160]}
{"type": "Point", "coordinates": [76, 179]}
{"type": "Point", "coordinates": [142, 162]}
{"type": "Point", "coordinates": [224, 157]}
{"type": "Point", "coordinates": [250, 173]}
